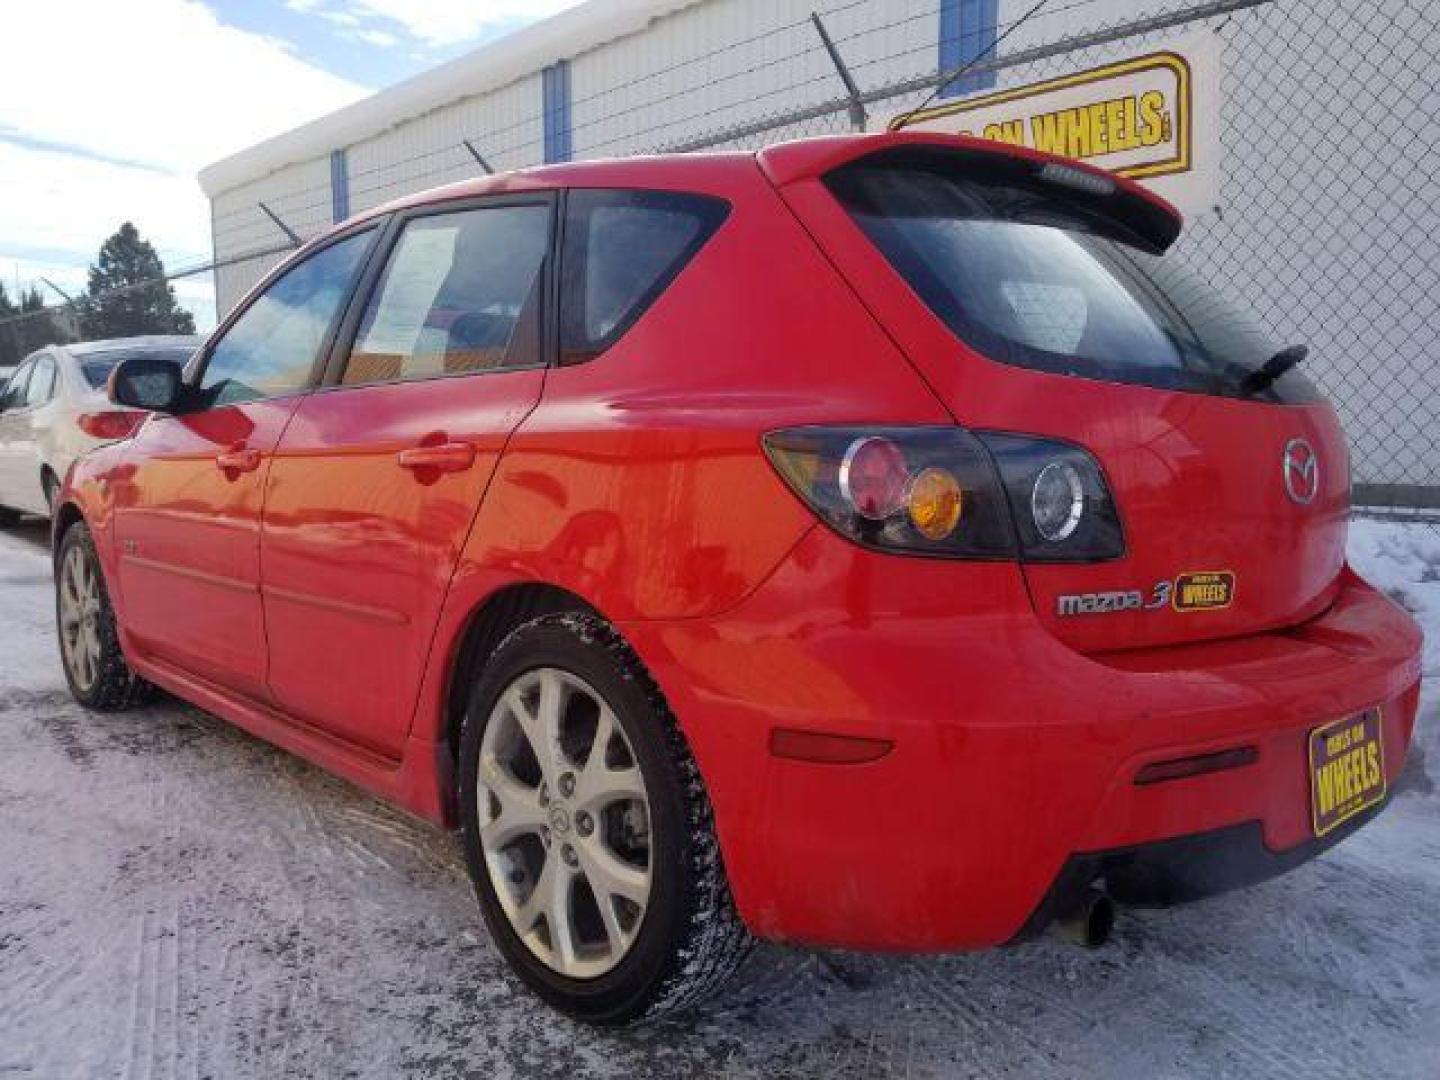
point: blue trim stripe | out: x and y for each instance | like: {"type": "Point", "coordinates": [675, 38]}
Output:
{"type": "Point", "coordinates": [968, 30]}
{"type": "Point", "coordinates": [555, 88]}
{"type": "Point", "coordinates": [339, 187]}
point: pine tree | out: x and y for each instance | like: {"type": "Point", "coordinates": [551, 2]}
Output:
{"type": "Point", "coordinates": [40, 328]}
{"type": "Point", "coordinates": [10, 353]}
{"type": "Point", "coordinates": [126, 296]}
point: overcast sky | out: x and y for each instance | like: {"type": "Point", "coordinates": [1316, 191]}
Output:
{"type": "Point", "coordinates": [109, 108]}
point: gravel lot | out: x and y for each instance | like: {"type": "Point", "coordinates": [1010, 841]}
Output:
{"type": "Point", "coordinates": [178, 899]}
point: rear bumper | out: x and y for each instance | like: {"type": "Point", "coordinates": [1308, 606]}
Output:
{"type": "Point", "coordinates": [1013, 757]}
{"type": "Point", "coordinates": [1163, 873]}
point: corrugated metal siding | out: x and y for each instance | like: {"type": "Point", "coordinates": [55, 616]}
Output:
{"type": "Point", "coordinates": [504, 125]}
{"type": "Point", "coordinates": [1294, 208]}
{"type": "Point", "coordinates": [299, 194]}
{"type": "Point", "coordinates": [730, 62]}
{"type": "Point", "coordinates": [698, 70]}
{"type": "Point", "coordinates": [718, 64]}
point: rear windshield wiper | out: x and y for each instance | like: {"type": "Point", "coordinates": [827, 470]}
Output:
{"type": "Point", "coordinates": [1273, 368]}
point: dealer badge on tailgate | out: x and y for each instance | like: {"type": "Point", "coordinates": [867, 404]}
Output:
{"type": "Point", "coordinates": [1208, 590]}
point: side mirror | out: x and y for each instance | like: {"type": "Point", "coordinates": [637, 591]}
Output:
{"type": "Point", "coordinates": [147, 382]}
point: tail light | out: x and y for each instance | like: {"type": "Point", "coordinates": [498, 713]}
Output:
{"type": "Point", "coordinates": [1058, 497]}
{"type": "Point", "coordinates": [943, 491]}
{"type": "Point", "coordinates": [113, 424]}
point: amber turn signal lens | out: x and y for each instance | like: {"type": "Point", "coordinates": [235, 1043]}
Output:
{"type": "Point", "coordinates": [934, 503]}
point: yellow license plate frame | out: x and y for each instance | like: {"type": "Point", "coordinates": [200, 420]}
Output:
{"type": "Point", "coordinates": [1347, 769]}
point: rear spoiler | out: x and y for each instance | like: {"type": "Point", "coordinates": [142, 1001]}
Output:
{"type": "Point", "coordinates": [1153, 221]}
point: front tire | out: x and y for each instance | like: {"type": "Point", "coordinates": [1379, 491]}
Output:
{"type": "Point", "coordinates": [587, 830]}
{"type": "Point", "coordinates": [95, 667]}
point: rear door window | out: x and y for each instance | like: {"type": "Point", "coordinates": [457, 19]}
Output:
{"type": "Point", "coordinates": [622, 249]}
{"type": "Point", "coordinates": [1023, 278]}
{"type": "Point", "coordinates": [460, 294]}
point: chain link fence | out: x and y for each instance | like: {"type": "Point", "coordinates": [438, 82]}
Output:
{"type": "Point", "coordinates": [1327, 220]}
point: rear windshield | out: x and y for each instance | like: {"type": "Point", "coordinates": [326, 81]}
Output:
{"type": "Point", "coordinates": [98, 365]}
{"type": "Point", "coordinates": [1024, 280]}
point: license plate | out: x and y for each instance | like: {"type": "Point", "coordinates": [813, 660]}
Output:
{"type": "Point", "coordinates": [1347, 769]}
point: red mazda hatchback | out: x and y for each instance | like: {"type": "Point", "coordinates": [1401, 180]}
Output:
{"type": "Point", "coordinates": [872, 542]}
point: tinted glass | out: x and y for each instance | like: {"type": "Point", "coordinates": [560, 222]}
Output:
{"type": "Point", "coordinates": [271, 348]}
{"type": "Point", "coordinates": [96, 367]}
{"type": "Point", "coordinates": [1025, 282]}
{"type": "Point", "coordinates": [42, 383]}
{"type": "Point", "coordinates": [15, 388]}
{"type": "Point", "coordinates": [461, 293]}
{"type": "Point", "coordinates": [622, 249]}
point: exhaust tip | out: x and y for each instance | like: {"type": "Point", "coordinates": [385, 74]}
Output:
{"type": "Point", "coordinates": [1091, 922]}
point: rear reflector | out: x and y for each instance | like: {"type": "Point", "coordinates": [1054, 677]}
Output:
{"type": "Point", "coordinates": [826, 749]}
{"type": "Point", "coordinates": [116, 424]}
{"type": "Point", "coordinates": [1179, 768]}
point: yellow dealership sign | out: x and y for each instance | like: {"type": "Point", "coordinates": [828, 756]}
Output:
{"type": "Point", "coordinates": [1151, 117]}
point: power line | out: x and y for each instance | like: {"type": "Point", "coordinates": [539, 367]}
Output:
{"type": "Point", "coordinates": [653, 135]}
{"type": "Point", "coordinates": [80, 302]}
{"type": "Point", "coordinates": [963, 68]}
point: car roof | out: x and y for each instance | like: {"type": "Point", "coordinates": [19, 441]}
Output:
{"type": "Point", "coordinates": [783, 163]}
{"type": "Point", "coordinates": [142, 341]}
{"type": "Point", "coordinates": [664, 170]}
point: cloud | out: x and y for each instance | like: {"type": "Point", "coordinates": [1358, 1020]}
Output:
{"type": "Point", "coordinates": [148, 91]}
{"type": "Point", "coordinates": [379, 38]}
{"type": "Point", "coordinates": [437, 23]}
{"type": "Point", "coordinates": [159, 81]}
{"type": "Point", "coordinates": [58, 208]}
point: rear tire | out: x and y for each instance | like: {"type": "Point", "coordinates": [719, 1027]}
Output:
{"type": "Point", "coordinates": [686, 939]}
{"type": "Point", "coordinates": [95, 667]}
{"type": "Point", "coordinates": [9, 517]}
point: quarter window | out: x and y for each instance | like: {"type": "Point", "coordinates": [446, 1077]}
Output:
{"type": "Point", "coordinates": [271, 349]}
{"type": "Point", "coordinates": [460, 294]}
{"type": "Point", "coordinates": [622, 250]}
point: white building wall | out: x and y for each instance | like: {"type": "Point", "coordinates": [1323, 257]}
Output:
{"type": "Point", "coordinates": [727, 63]}
{"type": "Point", "coordinates": [1328, 218]}
{"type": "Point", "coordinates": [1306, 223]}
{"type": "Point", "coordinates": [299, 194]}
{"type": "Point", "coordinates": [505, 125]}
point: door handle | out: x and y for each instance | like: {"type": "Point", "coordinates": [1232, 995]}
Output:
{"type": "Point", "coordinates": [445, 457]}
{"type": "Point", "coordinates": [239, 459]}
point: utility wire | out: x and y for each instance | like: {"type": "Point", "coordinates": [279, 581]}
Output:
{"type": "Point", "coordinates": [79, 302]}
{"type": "Point", "coordinates": [408, 180]}
{"type": "Point", "coordinates": [987, 52]}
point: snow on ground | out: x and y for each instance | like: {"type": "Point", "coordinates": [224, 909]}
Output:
{"type": "Point", "coordinates": [179, 899]}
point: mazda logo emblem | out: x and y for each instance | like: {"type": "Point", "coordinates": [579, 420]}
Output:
{"type": "Point", "coordinates": [1301, 469]}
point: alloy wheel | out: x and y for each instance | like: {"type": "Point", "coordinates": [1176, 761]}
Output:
{"type": "Point", "coordinates": [80, 618]}
{"type": "Point", "coordinates": [564, 822]}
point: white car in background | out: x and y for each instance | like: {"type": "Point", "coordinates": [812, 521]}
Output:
{"type": "Point", "coordinates": [53, 408]}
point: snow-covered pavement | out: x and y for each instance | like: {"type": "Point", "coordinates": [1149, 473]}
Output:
{"type": "Point", "coordinates": [178, 899]}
